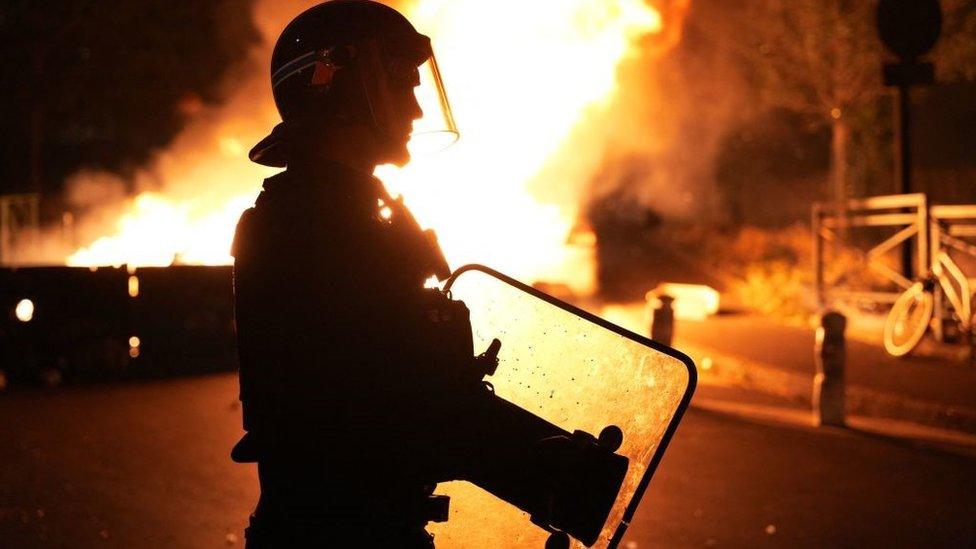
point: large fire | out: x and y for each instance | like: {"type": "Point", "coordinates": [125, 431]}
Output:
{"type": "Point", "coordinates": [529, 83]}
{"type": "Point", "coordinates": [521, 78]}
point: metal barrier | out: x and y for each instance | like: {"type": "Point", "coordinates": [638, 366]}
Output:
{"type": "Point", "coordinates": [909, 212]}
{"type": "Point", "coordinates": [937, 230]}
{"type": "Point", "coordinates": [950, 225]}
{"type": "Point", "coordinates": [116, 322]}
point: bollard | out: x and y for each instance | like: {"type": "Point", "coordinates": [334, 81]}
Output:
{"type": "Point", "coordinates": [828, 384]}
{"type": "Point", "coordinates": [662, 318]}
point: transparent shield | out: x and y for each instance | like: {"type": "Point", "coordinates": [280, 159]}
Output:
{"type": "Point", "coordinates": [578, 372]}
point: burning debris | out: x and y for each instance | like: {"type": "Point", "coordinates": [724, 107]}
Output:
{"type": "Point", "coordinates": [509, 194]}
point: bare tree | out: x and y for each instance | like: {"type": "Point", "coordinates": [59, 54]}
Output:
{"type": "Point", "coordinates": [955, 54]}
{"type": "Point", "coordinates": [823, 58]}
{"type": "Point", "coordinates": [820, 58]}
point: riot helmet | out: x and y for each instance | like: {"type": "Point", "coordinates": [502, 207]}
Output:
{"type": "Point", "coordinates": [348, 61]}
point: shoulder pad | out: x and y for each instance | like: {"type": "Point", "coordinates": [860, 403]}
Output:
{"type": "Point", "coordinates": [240, 234]}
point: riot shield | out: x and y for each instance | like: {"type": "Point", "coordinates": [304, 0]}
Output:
{"type": "Point", "coordinates": [578, 372]}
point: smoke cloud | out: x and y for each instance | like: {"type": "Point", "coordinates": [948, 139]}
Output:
{"type": "Point", "coordinates": [653, 141]}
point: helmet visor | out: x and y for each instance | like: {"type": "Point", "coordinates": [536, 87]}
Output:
{"type": "Point", "coordinates": [406, 93]}
{"type": "Point", "coordinates": [435, 130]}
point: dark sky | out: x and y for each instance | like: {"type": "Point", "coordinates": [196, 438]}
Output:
{"type": "Point", "coordinates": [103, 84]}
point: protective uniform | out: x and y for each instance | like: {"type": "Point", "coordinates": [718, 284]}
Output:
{"type": "Point", "coordinates": [325, 303]}
{"type": "Point", "coordinates": [330, 302]}
{"type": "Point", "coordinates": [360, 387]}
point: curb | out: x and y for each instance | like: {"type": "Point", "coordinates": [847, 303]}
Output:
{"type": "Point", "coordinates": [725, 370]}
{"type": "Point", "coordinates": [919, 435]}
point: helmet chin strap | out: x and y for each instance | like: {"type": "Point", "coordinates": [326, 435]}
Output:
{"type": "Point", "coordinates": [300, 141]}
{"type": "Point", "coordinates": [391, 149]}
{"type": "Point", "coordinates": [357, 146]}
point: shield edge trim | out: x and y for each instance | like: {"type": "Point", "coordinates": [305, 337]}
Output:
{"type": "Point", "coordinates": [623, 332]}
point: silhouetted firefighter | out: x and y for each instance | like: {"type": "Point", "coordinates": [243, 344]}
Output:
{"type": "Point", "coordinates": [360, 388]}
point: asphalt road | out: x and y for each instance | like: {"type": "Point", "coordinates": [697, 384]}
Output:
{"type": "Point", "coordinates": [146, 465]}
{"type": "Point", "coordinates": [791, 349]}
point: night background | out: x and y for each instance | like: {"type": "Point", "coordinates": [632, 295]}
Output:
{"type": "Point", "coordinates": [721, 152]}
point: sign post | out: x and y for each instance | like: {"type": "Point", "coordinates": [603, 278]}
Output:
{"type": "Point", "coordinates": [909, 29]}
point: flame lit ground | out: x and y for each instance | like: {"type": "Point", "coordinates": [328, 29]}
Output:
{"type": "Point", "coordinates": [146, 465]}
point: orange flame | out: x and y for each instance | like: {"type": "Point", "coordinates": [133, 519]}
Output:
{"type": "Point", "coordinates": [520, 81]}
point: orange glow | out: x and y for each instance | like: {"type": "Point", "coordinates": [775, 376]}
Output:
{"type": "Point", "coordinates": [691, 301]}
{"type": "Point", "coordinates": [159, 231]}
{"type": "Point", "coordinates": [24, 311]}
{"type": "Point", "coordinates": [134, 347]}
{"type": "Point", "coordinates": [516, 98]}
{"type": "Point", "coordinates": [516, 95]}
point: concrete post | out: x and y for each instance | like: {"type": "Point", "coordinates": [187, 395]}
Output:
{"type": "Point", "coordinates": [830, 357]}
{"type": "Point", "coordinates": [662, 319]}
